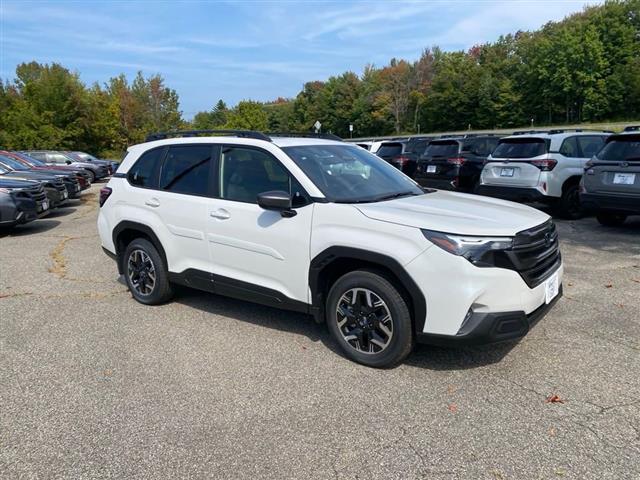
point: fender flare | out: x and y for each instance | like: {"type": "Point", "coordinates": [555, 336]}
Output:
{"type": "Point", "coordinates": [336, 253]}
{"type": "Point", "coordinates": [139, 227]}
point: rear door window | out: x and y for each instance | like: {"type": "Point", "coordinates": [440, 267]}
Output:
{"type": "Point", "coordinates": [417, 146]}
{"type": "Point", "coordinates": [186, 169]}
{"type": "Point", "coordinates": [520, 148]}
{"type": "Point", "coordinates": [569, 147]}
{"type": "Point", "coordinates": [621, 149]}
{"type": "Point", "coordinates": [442, 149]}
{"type": "Point", "coordinates": [389, 149]}
{"type": "Point", "coordinates": [590, 145]}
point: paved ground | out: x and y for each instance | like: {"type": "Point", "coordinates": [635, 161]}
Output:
{"type": "Point", "coordinates": [94, 385]}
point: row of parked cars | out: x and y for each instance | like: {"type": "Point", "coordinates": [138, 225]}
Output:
{"type": "Point", "coordinates": [573, 171]}
{"type": "Point", "coordinates": [34, 182]}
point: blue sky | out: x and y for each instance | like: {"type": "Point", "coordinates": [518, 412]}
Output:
{"type": "Point", "coordinates": [208, 50]}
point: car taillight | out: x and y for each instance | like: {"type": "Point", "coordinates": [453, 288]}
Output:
{"type": "Point", "coordinates": [545, 165]}
{"type": "Point", "coordinates": [401, 160]}
{"type": "Point", "coordinates": [104, 194]}
{"type": "Point", "coordinates": [456, 160]}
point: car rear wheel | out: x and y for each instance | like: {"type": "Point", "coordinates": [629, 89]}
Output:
{"type": "Point", "coordinates": [369, 319]}
{"type": "Point", "coordinates": [145, 273]}
{"type": "Point", "coordinates": [569, 206]}
{"type": "Point", "coordinates": [92, 176]}
{"type": "Point", "coordinates": [611, 219]}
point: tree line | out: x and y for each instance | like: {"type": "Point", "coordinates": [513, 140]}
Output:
{"type": "Point", "coordinates": [584, 68]}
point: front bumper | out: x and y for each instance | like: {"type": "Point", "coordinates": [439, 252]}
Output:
{"type": "Point", "coordinates": [487, 328]}
{"type": "Point", "coordinates": [515, 194]}
{"type": "Point", "coordinates": [619, 203]}
{"type": "Point", "coordinates": [454, 290]}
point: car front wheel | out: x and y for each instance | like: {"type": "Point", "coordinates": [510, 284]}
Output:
{"type": "Point", "coordinates": [145, 273]}
{"type": "Point", "coordinates": [369, 318]}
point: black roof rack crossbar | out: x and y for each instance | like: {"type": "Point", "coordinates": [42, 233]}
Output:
{"type": "Point", "coordinates": [325, 136]}
{"type": "Point", "coordinates": [194, 133]}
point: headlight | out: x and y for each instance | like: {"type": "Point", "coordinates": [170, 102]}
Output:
{"type": "Point", "coordinates": [475, 249]}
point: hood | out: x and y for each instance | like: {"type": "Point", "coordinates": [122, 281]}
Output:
{"type": "Point", "coordinates": [29, 175]}
{"type": "Point", "coordinates": [14, 183]}
{"type": "Point", "coordinates": [458, 213]}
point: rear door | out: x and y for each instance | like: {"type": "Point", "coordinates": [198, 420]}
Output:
{"type": "Point", "coordinates": [510, 163]}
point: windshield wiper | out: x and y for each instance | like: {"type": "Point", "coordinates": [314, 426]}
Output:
{"type": "Point", "coordinates": [391, 196]}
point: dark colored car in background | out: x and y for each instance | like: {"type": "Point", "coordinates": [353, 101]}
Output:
{"type": "Point", "coordinates": [395, 153]}
{"type": "Point", "coordinates": [87, 157]}
{"type": "Point", "coordinates": [81, 175]}
{"type": "Point", "coordinates": [33, 188]}
{"type": "Point", "coordinates": [17, 207]}
{"type": "Point", "coordinates": [610, 186]}
{"type": "Point", "coordinates": [96, 172]}
{"type": "Point", "coordinates": [54, 184]}
{"type": "Point", "coordinates": [454, 163]}
{"type": "Point", "coordinates": [54, 188]}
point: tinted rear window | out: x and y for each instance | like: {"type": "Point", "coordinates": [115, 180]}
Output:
{"type": "Point", "coordinates": [442, 149]}
{"type": "Point", "coordinates": [417, 145]}
{"type": "Point", "coordinates": [621, 149]}
{"type": "Point", "coordinates": [520, 148]}
{"type": "Point", "coordinates": [389, 149]}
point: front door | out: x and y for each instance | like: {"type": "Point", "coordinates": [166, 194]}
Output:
{"type": "Point", "coordinates": [255, 250]}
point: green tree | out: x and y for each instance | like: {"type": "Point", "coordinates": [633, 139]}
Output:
{"type": "Point", "coordinates": [248, 115]}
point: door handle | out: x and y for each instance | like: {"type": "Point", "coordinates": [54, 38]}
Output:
{"type": "Point", "coordinates": [221, 214]}
{"type": "Point", "coordinates": [152, 202]}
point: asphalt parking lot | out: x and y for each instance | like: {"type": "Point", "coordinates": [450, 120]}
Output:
{"type": "Point", "coordinates": [95, 385]}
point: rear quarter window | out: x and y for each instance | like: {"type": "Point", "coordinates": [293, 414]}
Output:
{"type": "Point", "coordinates": [389, 149]}
{"type": "Point", "coordinates": [144, 173]}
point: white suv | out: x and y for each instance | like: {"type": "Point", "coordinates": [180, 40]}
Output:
{"type": "Point", "coordinates": [541, 167]}
{"type": "Point", "coordinates": [326, 228]}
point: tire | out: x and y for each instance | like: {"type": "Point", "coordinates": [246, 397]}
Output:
{"type": "Point", "coordinates": [92, 176]}
{"type": "Point", "coordinates": [363, 324]}
{"type": "Point", "coordinates": [569, 205]}
{"type": "Point", "coordinates": [150, 287]}
{"type": "Point", "coordinates": [611, 219]}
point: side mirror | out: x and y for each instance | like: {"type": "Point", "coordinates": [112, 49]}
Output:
{"type": "Point", "coordinates": [277, 200]}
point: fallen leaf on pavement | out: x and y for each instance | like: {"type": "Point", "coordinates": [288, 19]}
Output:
{"type": "Point", "coordinates": [608, 285]}
{"type": "Point", "coordinates": [554, 399]}
{"type": "Point", "coordinates": [552, 432]}
{"type": "Point", "coordinates": [453, 408]}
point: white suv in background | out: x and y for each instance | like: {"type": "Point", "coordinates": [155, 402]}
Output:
{"type": "Point", "coordinates": [541, 167]}
{"type": "Point", "coordinates": [326, 228]}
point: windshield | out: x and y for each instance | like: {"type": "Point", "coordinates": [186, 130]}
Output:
{"type": "Point", "coordinates": [442, 149]}
{"type": "Point", "coordinates": [520, 148]}
{"type": "Point", "coordinates": [13, 163]}
{"type": "Point", "coordinates": [621, 149]}
{"type": "Point", "coordinates": [84, 156]}
{"type": "Point", "coordinates": [348, 174]}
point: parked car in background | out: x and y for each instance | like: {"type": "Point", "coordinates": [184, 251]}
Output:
{"type": "Point", "coordinates": [33, 188]}
{"type": "Point", "coordinates": [17, 206]}
{"type": "Point", "coordinates": [541, 167]}
{"type": "Point", "coordinates": [81, 175]}
{"type": "Point", "coordinates": [54, 188]}
{"type": "Point", "coordinates": [96, 172]}
{"type": "Point", "coordinates": [610, 185]}
{"type": "Point", "coordinates": [454, 163]}
{"type": "Point", "coordinates": [59, 185]}
{"type": "Point", "coordinates": [395, 153]}
{"type": "Point", "coordinates": [87, 157]}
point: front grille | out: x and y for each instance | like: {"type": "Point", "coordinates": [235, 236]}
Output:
{"type": "Point", "coordinates": [37, 193]}
{"type": "Point", "coordinates": [536, 253]}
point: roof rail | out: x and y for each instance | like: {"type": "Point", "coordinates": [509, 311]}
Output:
{"type": "Point", "coordinates": [564, 130]}
{"type": "Point", "coordinates": [632, 128]}
{"type": "Point", "coordinates": [325, 136]}
{"type": "Point", "coordinates": [194, 133]}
